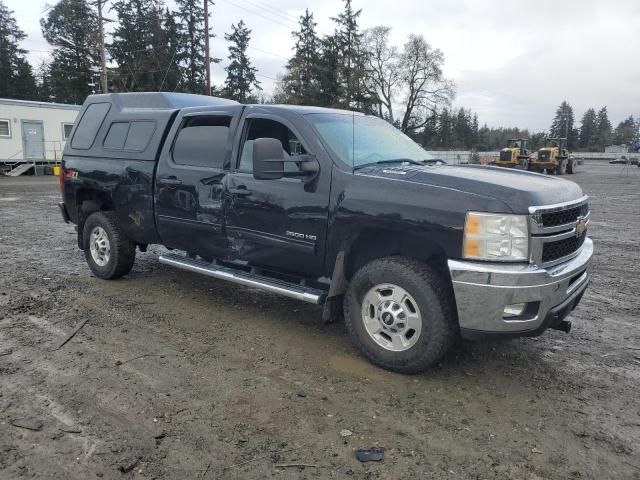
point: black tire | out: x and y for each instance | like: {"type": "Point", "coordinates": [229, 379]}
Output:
{"type": "Point", "coordinates": [572, 167]}
{"type": "Point", "coordinates": [434, 297]}
{"type": "Point", "coordinates": [122, 250]}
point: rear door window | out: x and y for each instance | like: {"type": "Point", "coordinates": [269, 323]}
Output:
{"type": "Point", "coordinates": [89, 125]}
{"type": "Point", "coordinates": [203, 142]}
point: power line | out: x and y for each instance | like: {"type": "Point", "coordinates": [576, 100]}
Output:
{"type": "Point", "coordinates": [276, 13]}
{"type": "Point", "coordinates": [286, 16]}
{"type": "Point", "coordinates": [261, 15]}
{"type": "Point", "coordinates": [266, 76]}
{"type": "Point", "coordinates": [269, 53]}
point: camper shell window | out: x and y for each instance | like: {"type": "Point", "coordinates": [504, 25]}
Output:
{"type": "Point", "coordinates": [89, 125]}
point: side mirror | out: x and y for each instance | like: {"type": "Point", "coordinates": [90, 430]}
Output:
{"type": "Point", "coordinates": [268, 159]}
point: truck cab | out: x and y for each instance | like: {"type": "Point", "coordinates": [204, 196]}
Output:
{"type": "Point", "coordinates": [330, 207]}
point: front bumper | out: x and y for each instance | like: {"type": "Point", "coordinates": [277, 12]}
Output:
{"type": "Point", "coordinates": [483, 290]}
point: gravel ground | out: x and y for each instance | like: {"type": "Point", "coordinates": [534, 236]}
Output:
{"type": "Point", "coordinates": [178, 376]}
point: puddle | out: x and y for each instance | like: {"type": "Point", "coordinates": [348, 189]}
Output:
{"type": "Point", "coordinates": [9, 199]}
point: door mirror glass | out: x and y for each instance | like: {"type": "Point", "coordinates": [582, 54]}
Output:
{"type": "Point", "coordinates": [268, 159]}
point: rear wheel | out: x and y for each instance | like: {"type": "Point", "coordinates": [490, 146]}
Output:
{"type": "Point", "coordinates": [572, 166]}
{"type": "Point", "coordinates": [561, 168]}
{"type": "Point", "coordinates": [109, 253]}
{"type": "Point", "coordinates": [399, 312]}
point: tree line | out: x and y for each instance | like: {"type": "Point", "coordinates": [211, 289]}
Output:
{"type": "Point", "coordinates": [447, 129]}
{"type": "Point", "coordinates": [154, 48]}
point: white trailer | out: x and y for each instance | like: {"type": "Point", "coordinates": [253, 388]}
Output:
{"type": "Point", "coordinates": [33, 133]}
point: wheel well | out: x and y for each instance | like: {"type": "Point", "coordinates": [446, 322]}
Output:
{"type": "Point", "coordinates": [373, 243]}
{"type": "Point", "coordinates": [89, 201]}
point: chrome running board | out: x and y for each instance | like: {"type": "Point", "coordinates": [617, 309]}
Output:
{"type": "Point", "coordinates": [248, 279]}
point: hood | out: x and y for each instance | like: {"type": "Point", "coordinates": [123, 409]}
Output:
{"type": "Point", "coordinates": [516, 188]}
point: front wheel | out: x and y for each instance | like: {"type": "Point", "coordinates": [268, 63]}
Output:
{"type": "Point", "coordinates": [400, 314]}
{"type": "Point", "coordinates": [109, 253]}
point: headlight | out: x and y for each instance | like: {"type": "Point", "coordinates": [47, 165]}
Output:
{"type": "Point", "coordinates": [496, 236]}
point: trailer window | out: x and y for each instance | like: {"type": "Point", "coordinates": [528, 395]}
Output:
{"type": "Point", "coordinates": [66, 130]}
{"type": "Point", "coordinates": [203, 142]}
{"type": "Point", "coordinates": [89, 125]}
{"type": "Point", "coordinates": [5, 128]}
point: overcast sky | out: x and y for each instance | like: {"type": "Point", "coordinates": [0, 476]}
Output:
{"type": "Point", "coordinates": [513, 61]}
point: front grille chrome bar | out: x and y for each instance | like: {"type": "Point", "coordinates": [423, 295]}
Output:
{"type": "Point", "coordinates": [536, 225]}
{"type": "Point", "coordinates": [540, 235]}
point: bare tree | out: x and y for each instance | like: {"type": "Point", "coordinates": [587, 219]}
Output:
{"type": "Point", "coordinates": [424, 84]}
{"type": "Point", "coordinates": [383, 69]}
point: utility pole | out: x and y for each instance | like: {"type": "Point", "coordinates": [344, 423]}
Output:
{"type": "Point", "coordinates": [207, 52]}
{"type": "Point", "coordinates": [104, 85]}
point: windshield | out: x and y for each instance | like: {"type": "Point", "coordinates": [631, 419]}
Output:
{"type": "Point", "coordinates": [359, 140]}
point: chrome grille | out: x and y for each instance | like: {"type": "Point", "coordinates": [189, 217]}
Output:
{"type": "Point", "coordinates": [554, 231]}
{"type": "Point", "coordinates": [552, 251]}
{"type": "Point", "coordinates": [563, 217]}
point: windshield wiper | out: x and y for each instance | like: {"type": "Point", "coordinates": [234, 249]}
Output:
{"type": "Point", "coordinates": [387, 162]}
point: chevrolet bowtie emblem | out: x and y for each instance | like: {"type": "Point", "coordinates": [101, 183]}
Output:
{"type": "Point", "coordinates": [581, 226]}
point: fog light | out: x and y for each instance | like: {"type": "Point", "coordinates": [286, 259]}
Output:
{"type": "Point", "coordinates": [514, 310]}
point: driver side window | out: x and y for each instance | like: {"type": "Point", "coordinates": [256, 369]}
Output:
{"type": "Point", "coordinates": [263, 128]}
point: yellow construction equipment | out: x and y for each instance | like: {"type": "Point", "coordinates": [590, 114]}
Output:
{"type": "Point", "coordinates": [554, 158]}
{"type": "Point", "coordinates": [515, 154]}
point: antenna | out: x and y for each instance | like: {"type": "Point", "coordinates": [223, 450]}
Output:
{"type": "Point", "coordinates": [353, 138]}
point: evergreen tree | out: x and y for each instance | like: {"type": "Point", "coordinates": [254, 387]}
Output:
{"type": "Point", "coordinates": [474, 131]}
{"type": "Point", "coordinates": [300, 84]}
{"type": "Point", "coordinates": [352, 59]}
{"type": "Point", "coordinates": [166, 42]}
{"type": "Point", "coordinates": [429, 137]}
{"type": "Point", "coordinates": [462, 129]}
{"type": "Point", "coordinates": [43, 80]}
{"type": "Point", "coordinates": [16, 76]}
{"type": "Point", "coordinates": [190, 15]}
{"type": "Point", "coordinates": [331, 90]}
{"type": "Point", "coordinates": [562, 125]}
{"type": "Point", "coordinates": [603, 129]}
{"type": "Point", "coordinates": [241, 75]}
{"type": "Point", "coordinates": [588, 129]}
{"type": "Point", "coordinates": [445, 129]}
{"type": "Point", "coordinates": [72, 29]}
{"type": "Point", "coordinates": [536, 140]}
{"type": "Point", "coordinates": [142, 47]}
{"type": "Point", "coordinates": [626, 132]}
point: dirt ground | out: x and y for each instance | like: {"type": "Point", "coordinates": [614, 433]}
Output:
{"type": "Point", "coordinates": [178, 376]}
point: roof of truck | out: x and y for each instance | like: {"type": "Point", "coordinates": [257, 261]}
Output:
{"type": "Point", "coordinates": [169, 100]}
{"type": "Point", "coordinates": [305, 109]}
{"type": "Point", "coordinates": [160, 100]}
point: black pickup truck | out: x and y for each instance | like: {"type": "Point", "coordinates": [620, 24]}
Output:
{"type": "Point", "coordinates": [329, 207]}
